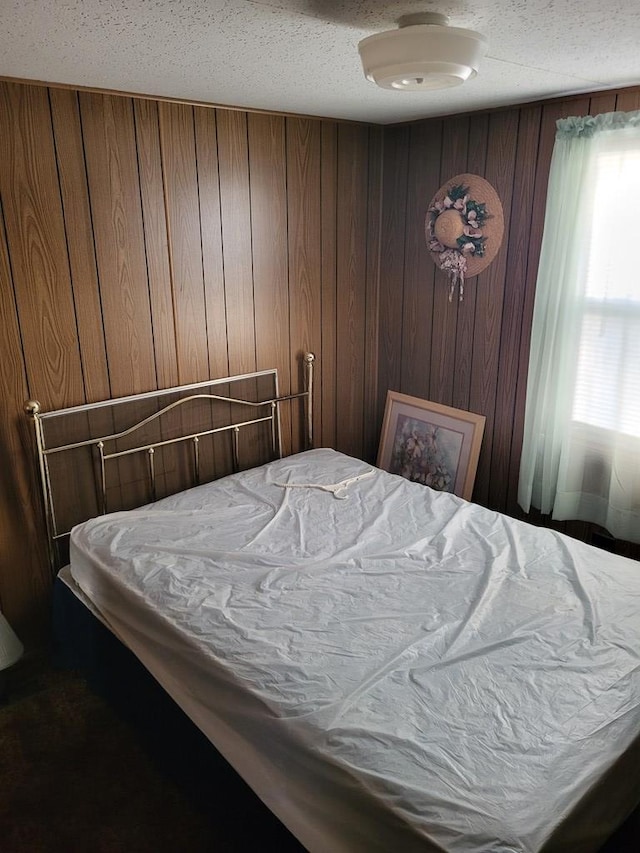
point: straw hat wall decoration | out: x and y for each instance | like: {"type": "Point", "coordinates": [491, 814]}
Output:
{"type": "Point", "coordinates": [464, 228]}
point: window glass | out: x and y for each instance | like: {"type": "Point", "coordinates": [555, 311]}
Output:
{"type": "Point", "coordinates": [608, 375]}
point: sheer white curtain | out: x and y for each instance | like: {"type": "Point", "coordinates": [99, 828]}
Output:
{"type": "Point", "coordinates": [581, 450]}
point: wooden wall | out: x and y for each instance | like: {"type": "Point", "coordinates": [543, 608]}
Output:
{"type": "Point", "coordinates": [471, 354]}
{"type": "Point", "coordinates": [145, 244]}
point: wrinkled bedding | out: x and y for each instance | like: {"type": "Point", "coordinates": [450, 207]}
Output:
{"type": "Point", "coordinates": [390, 668]}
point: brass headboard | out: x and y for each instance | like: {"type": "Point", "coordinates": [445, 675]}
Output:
{"type": "Point", "coordinates": [90, 457]}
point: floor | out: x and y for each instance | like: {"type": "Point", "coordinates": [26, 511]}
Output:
{"type": "Point", "coordinates": [75, 778]}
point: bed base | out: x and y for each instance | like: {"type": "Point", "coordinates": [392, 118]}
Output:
{"type": "Point", "coordinates": [176, 745]}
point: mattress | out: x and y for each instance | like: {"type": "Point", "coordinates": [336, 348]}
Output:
{"type": "Point", "coordinates": [388, 667]}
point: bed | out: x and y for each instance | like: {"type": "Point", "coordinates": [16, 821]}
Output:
{"type": "Point", "coordinates": [388, 667]}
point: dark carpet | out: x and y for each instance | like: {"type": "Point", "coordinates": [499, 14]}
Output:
{"type": "Point", "coordinates": [73, 777]}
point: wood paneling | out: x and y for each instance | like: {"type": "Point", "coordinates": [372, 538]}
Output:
{"type": "Point", "coordinates": [501, 147]}
{"type": "Point", "coordinates": [37, 245]}
{"type": "Point", "coordinates": [351, 256]}
{"type": "Point", "coordinates": [154, 217]}
{"type": "Point", "coordinates": [303, 145]}
{"type": "Point", "coordinates": [372, 318]}
{"type": "Point", "coordinates": [144, 244]}
{"type": "Point", "coordinates": [479, 352]}
{"type": "Point", "coordinates": [512, 379]}
{"type": "Point", "coordinates": [211, 234]}
{"type": "Point", "coordinates": [235, 205]}
{"type": "Point", "coordinates": [453, 161]}
{"type": "Point", "coordinates": [23, 571]}
{"type": "Point", "coordinates": [267, 165]}
{"type": "Point", "coordinates": [476, 164]}
{"type": "Point", "coordinates": [625, 102]}
{"type": "Point", "coordinates": [114, 189]}
{"type": "Point", "coordinates": [82, 258]}
{"type": "Point", "coordinates": [328, 238]}
{"type": "Point", "coordinates": [178, 146]}
{"type": "Point", "coordinates": [392, 267]}
{"type": "Point", "coordinates": [425, 145]}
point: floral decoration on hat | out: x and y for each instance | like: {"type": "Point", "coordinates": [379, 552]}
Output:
{"type": "Point", "coordinates": [464, 228]}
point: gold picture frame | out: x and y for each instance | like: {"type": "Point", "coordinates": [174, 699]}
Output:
{"type": "Point", "coordinates": [432, 444]}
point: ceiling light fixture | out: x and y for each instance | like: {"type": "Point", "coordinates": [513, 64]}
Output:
{"type": "Point", "coordinates": [424, 53]}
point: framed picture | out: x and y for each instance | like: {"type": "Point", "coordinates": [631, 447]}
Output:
{"type": "Point", "coordinates": [431, 444]}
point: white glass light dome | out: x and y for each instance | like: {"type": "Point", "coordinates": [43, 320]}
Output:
{"type": "Point", "coordinates": [423, 54]}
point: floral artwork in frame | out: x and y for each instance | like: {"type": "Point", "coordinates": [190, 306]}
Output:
{"type": "Point", "coordinates": [431, 444]}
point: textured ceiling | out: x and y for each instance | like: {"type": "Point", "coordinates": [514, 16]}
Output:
{"type": "Point", "coordinates": [301, 56]}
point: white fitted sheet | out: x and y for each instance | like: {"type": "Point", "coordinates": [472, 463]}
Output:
{"type": "Point", "coordinates": [397, 670]}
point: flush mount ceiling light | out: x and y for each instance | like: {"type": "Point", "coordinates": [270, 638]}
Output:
{"type": "Point", "coordinates": [424, 53]}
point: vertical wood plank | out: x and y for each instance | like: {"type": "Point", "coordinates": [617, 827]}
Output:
{"type": "Point", "coordinates": [425, 144]}
{"type": "Point", "coordinates": [626, 102]}
{"type": "Point", "coordinates": [268, 195]}
{"type": "Point", "coordinates": [24, 575]}
{"type": "Point", "coordinates": [392, 271]}
{"type": "Point", "coordinates": [211, 235]}
{"type": "Point", "coordinates": [372, 312]}
{"type": "Point", "coordinates": [303, 139]}
{"type": "Point", "coordinates": [509, 376]}
{"type": "Point", "coordinates": [503, 132]}
{"type": "Point", "coordinates": [236, 239]}
{"type": "Point", "coordinates": [178, 150]}
{"type": "Point", "coordinates": [604, 102]}
{"type": "Point", "coordinates": [114, 193]}
{"type": "Point", "coordinates": [154, 217]}
{"type": "Point", "coordinates": [328, 308]}
{"type": "Point", "coordinates": [79, 234]}
{"type": "Point", "coordinates": [445, 312]}
{"type": "Point", "coordinates": [37, 246]}
{"type": "Point", "coordinates": [351, 276]}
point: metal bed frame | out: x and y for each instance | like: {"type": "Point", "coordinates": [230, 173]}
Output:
{"type": "Point", "coordinates": [104, 447]}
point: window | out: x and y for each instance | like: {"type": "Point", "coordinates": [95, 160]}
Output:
{"type": "Point", "coordinates": [581, 450]}
{"type": "Point", "coordinates": [607, 391]}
